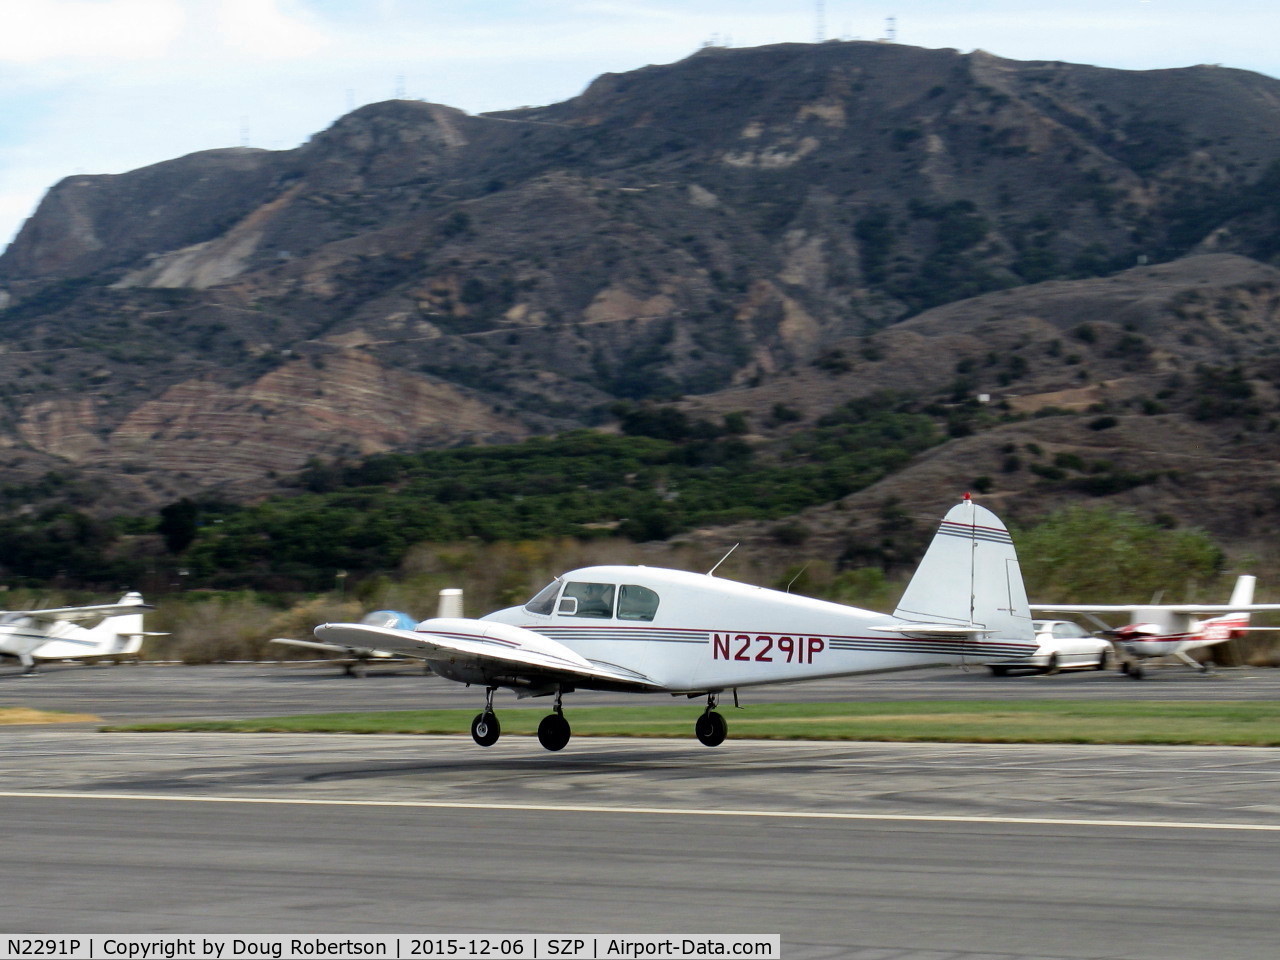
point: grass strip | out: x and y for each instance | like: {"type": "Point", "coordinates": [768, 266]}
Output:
{"type": "Point", "coordinates": [1209, 722]}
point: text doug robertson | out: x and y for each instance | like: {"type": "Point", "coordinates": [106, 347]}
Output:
{"type": "Point", "coordinates": [172, 949]}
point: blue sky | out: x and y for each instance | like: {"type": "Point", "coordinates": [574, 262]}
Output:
{"type": "Point", "coordinates": [105, 86]}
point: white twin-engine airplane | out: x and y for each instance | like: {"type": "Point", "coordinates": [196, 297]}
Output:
{"type": "Point", "coordinates": [1172, 630]}
{"type": "Point", "coordinates": [55, 633]}
{"type": "Point", "coordinates": [652, 630]}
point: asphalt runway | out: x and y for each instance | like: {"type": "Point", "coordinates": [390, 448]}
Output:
{"type": "Point", "coordinates": [860, 850]}
{"type": "Point", "coordinates": [868, 851]}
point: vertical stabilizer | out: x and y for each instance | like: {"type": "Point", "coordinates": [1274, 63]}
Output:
{"type": "Point", "coordinates": [121, 634]}
{"type": "Point", "coordinates": [450, 602]}
{"type": "Point", "coordinates": [970, 576]}
{"type": "Point", "coordinates": [1230, 625]}
{"type": "Point", "coordinates": [1242, 595]}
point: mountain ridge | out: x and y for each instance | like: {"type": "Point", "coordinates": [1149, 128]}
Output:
{"type": "Point", "coordinates": [786, 226]}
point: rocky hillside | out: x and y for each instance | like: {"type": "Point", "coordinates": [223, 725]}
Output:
{"type": "Point", "coordinates": [1156, 389]}
{"type": "Point", "coordinates": [771, 230]}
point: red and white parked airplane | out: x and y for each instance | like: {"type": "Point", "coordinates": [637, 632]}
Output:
{"type": "Point", "coordinates": [1171, 630]}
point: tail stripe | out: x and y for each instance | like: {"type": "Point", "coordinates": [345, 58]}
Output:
{"type": "Point", "coordinates": [968, 532]}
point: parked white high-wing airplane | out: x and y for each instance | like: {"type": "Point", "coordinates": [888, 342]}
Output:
{"type": "Point", "coordinates": [56, 634]}
{"type": "Point", "coordinates": [1172, 629]}
{"type": "Point", "coordinates": [652, 630]}
{"type": "Point", "coordinates": [354, 658]}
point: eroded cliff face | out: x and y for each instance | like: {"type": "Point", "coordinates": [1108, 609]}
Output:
{"type": "Point", "coordinates": [342, 405]}
{"type": "Point", "coordinates": [417, 276]}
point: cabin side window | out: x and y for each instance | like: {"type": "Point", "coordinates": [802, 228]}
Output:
{"type": "Point", "coordinates": [544, 601]}
{"type": "Point", "coordinates": [594, 600]}
{"type": "Point", "coordinates": [636, 603]}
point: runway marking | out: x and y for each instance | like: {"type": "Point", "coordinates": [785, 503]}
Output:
{"type": "Point", "coordinates": [650, 811]}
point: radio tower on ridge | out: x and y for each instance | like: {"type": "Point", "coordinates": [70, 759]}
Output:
{"type": "Point", "coordinates": [819, 21]}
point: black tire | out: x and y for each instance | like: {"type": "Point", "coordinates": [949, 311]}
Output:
{"type": "Point", "coordinates": [1053, 666]}
{"type": "Point", "coordinates": [1136, 672]}
{"type": "Point", "coordinates": [1104, 660]}
{"type": "Point", "coordinates": [999, 671]}
{"type": "Point", "coordinates": [711, 729]}
{"type": "Point", "coordinates": [554, 732]}
{"type": "Point", "coordinates": [485, 729]}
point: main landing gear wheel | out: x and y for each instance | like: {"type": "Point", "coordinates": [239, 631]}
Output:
{"type": "Point", "coordinates": [553, 731]}
{"type": "Point", "coordinates": [711, 728]}
{"type": "Point", "coordinates": [485, 729]}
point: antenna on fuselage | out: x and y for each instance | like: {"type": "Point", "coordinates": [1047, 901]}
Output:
{"type": "Point", "coordinates": [797, 576]}
{"type": "Point", "coordinates": [712, 571]}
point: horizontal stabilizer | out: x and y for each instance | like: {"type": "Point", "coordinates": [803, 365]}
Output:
{"type": "Point", "coordinates": [330, 647]}
{"type": "Point", "coordinates": [934, 629]}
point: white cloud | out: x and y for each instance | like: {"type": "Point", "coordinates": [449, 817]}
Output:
{"type": "Point", "coordinates": [270, 29]}
{"type": "Point", "coordinates": [45, 30]}
{"type": "Point", "coordinates": [84, 33]}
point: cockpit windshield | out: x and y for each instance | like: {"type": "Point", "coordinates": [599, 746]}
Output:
{"type": "Point", "coordinates": [544, 600]}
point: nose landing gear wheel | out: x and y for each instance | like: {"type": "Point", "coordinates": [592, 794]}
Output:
{"type": "Point", "coordinates": [553, 731]}
{"type": "Point", "coordinates": [485, 729]}
{"type": "Point", "coordinates": [711, 729]}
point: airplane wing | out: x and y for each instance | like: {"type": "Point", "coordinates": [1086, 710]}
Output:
{"type": "Point", "coordinates": [85, 613]}
{"type": "Point", "coordinates": [333, 648]}
{"type": "Point", "coordinates": [489, 645]}
{"type": "Point", "coordinates": [1189, 608]}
